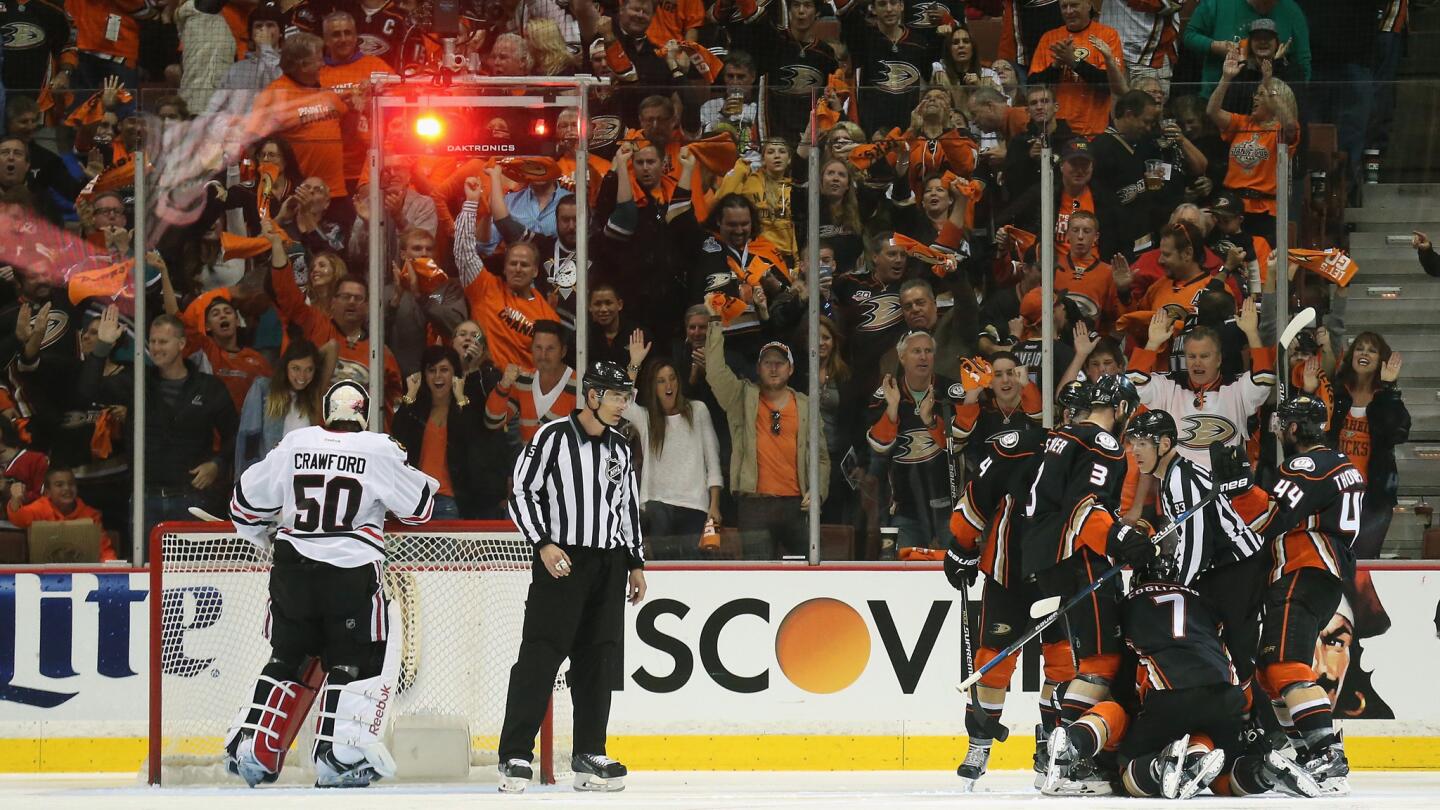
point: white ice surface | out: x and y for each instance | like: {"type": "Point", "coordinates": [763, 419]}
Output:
{"type": "Point", "coordinates": [877, 790]}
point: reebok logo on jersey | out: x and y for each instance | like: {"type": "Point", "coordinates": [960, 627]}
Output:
{"type": "Point", "coordinates": [1205, 429]}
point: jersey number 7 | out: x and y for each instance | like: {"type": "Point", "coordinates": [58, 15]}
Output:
{"type": "Point", "coordinates": [309, 511]}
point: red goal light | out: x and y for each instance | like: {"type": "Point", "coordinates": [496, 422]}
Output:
{"type": "Point", "coordinates": [428, 127]}
{"type": "Point", "coordinates": [541, 128]}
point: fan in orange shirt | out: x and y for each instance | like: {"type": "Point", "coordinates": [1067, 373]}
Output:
{"type": "Point", "coordinates": [1255, 141]}
{"type": "Point", "coordinates": [347, 70]}
{"type": "Point", "coordinates": [307, 115]}
{"type": "Point", "coordinates": [212, 327]}
{"type": "Point", "coordinates": [679, 20]}
{"type": "Point", "coordinates": [60, 502]}
{"type": "Point", "coordinates": [1084, 60]}
{"type": "Point", "coordinates": [1083, 277]}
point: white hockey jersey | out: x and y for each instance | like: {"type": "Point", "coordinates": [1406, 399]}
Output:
{"type": "Point", "coordinates": [1218, 414]}
{"type": "Point", "coordinates": [329, 492]}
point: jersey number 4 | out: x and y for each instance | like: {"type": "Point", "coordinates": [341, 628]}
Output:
{"type": "Point", "coordinates": [309, 511]}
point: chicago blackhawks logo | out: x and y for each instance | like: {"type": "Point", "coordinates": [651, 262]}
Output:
{"type": "Point", "coordinates": [1204, 429]}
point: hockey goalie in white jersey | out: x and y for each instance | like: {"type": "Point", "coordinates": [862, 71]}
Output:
{"type": "Point", "coordinates": [324, 493]}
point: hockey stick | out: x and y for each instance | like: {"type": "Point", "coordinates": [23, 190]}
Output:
{"type": "Point", "coordinates": [1051, 608]}
{"type": "Point", "coordinates": [201, 514]}
{"type": "Point", "coordinates": [1301, 321]}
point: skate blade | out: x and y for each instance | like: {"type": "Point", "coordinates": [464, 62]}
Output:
{"type": "Point", "coordinates": [1210, 768]}
{"type": "Point", "coordinates": [1066, 787]}
{"type": "Point", "coordinates": [967, 785]}
{"type": "Point", "coordinates": [513, 784]}
{"type": "Point", "coordinates": [1335, 786]}
{"type": "Point", "coordinates": [1172, 767]}
{"type": "Point", "coordinates": [589, 782]}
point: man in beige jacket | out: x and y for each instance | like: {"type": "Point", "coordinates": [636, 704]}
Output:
{"type": "Point", "coordinates": [770, 433]}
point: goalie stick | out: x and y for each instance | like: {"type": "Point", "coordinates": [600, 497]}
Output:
{"type": "Point", "coordinates": [201, 514]}
{"type": "Point", "coordinates": [1051, 608]}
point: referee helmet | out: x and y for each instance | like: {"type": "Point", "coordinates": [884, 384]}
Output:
{"type": "Point", "coordinates": [606, 376]}
{"type": "Point", "coordinates": [346, 401]}
{"type": "Point", "coordinates": [1153, 425]}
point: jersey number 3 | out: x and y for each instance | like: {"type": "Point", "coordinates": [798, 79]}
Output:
{"type": "Point", "coordinates": [309, 511]}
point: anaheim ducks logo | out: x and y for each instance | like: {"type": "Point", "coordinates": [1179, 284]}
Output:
{"type": "Point", "coordinates": [372, 45]}
{"type": "Point", "coordinates": [18, 36]}
{"type": "Point", "coordinates": [1200, 430]}
{"type": "Point", "coordinates": [899, 77]}
{"type": "Point", "coordinates": [605, 130]}
{"type": "Point", "coordinates": [352, 370]}
{"type": "Point", "coordinates": [1008, 440]}
{"type": "Point", "coordinates": [1176, 312]}
{"type": "Point", "coordinates": [1084, 303]}
{"type": "Point", "coordinates": [55, 325]}
{"type": "Point", "coordinates": [1250, 153]}
{"type": "Point", "coordinates": [798, 80]}
{"type": "Point", "coordinates": [562, 275]}
{"type": "Point", "coordinates": [915, 447]}
{"type": "Point", "coordinates": [879, 313]}
{"type": "Point", "coordinates": [920, 14]}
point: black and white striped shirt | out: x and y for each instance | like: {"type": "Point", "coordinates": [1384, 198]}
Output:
{"type": "Point", "coordinates": [1217, 535]}
{"type": "Point", "coordinates": [574, 489]}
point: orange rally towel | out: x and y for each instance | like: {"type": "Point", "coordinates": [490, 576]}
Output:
{"type": "Point", "coordinates": [91, 110]}
{"type": "Point", "coordinates": [530, 169]}
{"type": "Point", "coordinates": [1330, 263]}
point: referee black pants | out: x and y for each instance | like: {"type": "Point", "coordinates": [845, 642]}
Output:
{"type": "Point", "coordinates": [580, 616]}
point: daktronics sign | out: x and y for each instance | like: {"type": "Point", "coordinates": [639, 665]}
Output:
{"type": "Point", "coordinates": [479, 130]}
{"type": "Point", "coordinates": [762, 647]}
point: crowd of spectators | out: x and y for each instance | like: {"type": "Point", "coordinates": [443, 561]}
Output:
{"type": "Point", "coordinates": [1164, 125]}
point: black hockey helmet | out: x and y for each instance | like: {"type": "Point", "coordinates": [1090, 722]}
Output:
{"type": "Point", "coordinates": [1114, 390]}
{"type": "Point", "coordinates": [1308, 413]}
{"type": "Point", "coordinates": [1074, 395]}
{"type": "Point", "coordinates": [1165, 565]}
{"type": "Point", "coordinates": [1153, 425]}
{"type": "Point", "coordinates": [606, 376]}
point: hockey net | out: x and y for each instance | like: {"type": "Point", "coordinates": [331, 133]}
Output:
{"type": "Point", "coordinates": [460, 588]}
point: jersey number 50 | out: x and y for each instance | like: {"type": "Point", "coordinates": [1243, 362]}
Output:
{"type": "Point", "coordinates": [310, 511]}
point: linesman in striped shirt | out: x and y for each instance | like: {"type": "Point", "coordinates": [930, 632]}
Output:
{"type": "Point", "coordinates": [575, 499]}
{"type": "Point", "coordinates": [1217, 552]}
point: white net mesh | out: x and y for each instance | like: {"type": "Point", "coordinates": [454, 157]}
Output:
{"type": "Point", "coordinates": [462, 601]}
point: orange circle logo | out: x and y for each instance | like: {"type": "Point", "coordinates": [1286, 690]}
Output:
{"type": "Point", "coordinates": [822, 646]}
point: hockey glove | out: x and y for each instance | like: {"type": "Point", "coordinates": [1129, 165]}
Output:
{"type": "Point", "coordinates": [1230, 468]}
{"type": "Point", "coordinates": [1129, 545]}
{"type": "Point", "coordinates": [961, 566]}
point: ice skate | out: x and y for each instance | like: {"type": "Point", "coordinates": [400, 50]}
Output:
{"type": "Point", "coordinates": [331, 772]}
{"type": "Point", "coordinates": [1327, 765]}
{"type": "Point", "coordinates": [1171, 762]}
{"type": "Point", "coordinates": [1042, 756]}
{"type": "Point", "coordinates": [515, 776]}
{"type": "Point", "coordinates": [243, 763]}
{"type": "Point", "coordinates": [597, 772]}
{"type": "Point", "coordinates": [1287, 776]}
{"type": "Point", "coordinates": [1200, 770]}
{"type": "Point", "coordinates": [976, 757]}
{"type": "Point", "coordinates": [1060, 756]}
{"type": "Point", "coordinates": [1066, 774]}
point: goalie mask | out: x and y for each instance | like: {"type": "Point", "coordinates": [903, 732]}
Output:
{"type": "Point", "coordinates": [347, 401]}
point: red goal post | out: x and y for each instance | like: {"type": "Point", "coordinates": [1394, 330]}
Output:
{"type": "Point", "coordinates": [460, 587]}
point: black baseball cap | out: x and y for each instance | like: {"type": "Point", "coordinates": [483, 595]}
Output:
{"type": "Point", "coordinates": [1076, 148]}
{"type": "Point", "coordinates": [1226, 203]}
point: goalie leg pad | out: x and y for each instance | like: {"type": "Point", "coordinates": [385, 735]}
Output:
{"type": "Point", "coordinates": [256, 742]}
{"type": "Point", "coordinates": [354, 715]}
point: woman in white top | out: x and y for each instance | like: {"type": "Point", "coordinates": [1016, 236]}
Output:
{"type": "Point", "coordinates": [680, 469]}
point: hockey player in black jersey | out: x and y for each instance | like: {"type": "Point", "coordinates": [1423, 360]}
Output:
{"type": "Point", "coordinates": [986, 529]}
{"type": "Point", "coordinates": [1217, 549]}
{"type": "Point", "coordinates": [1071, 528]}
{"type": "Point", "coordinates": [1184, 730]}
{"type": "Point", "coordinates": [1311, 525]}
